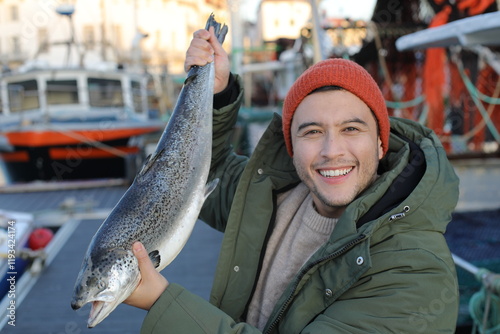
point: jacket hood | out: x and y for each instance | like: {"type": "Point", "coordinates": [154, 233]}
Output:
{"type": "Point", "coordinates": [417, 182]}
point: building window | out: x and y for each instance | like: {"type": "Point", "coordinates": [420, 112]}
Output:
{"type": "Point", "coordinates": [117, 36]}
{"type": "Point", "coordinates": [14, 13]}
{"type": "Point", "coordinates": [43, 40]}
{"type": "Point", "coordinates": [16, 45]}
{"type": "Point", "coordinates": [88, 37]}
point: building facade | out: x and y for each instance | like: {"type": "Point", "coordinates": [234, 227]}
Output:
{"type": "Point", "coordinates": [282, 18]}
{"type": "Point", "coordinates": [150, 32]}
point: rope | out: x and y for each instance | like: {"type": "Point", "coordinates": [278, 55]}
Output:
{"type": "Point", "coordinates": [381, 57]}
{"type": "Point", "coordinates": [95, 143]}
{"type": "Point", "coordinates": [485, 114]}
{"type": "Point", "coordinates": [405, 104]}
{"type": "Point", "coordinates": [387, 75]}
{"type": "Point", "coordinates": [484, 305]}
{"type": "Point", "coordinates": [475, 92]}
{"type": "Point", "coordinates": [423, 116]}
{"type": "Point", "coordinates": [484, 308]}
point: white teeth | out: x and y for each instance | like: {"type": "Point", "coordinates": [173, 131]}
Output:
{"type": "Point", "coordinates": [333, 173]}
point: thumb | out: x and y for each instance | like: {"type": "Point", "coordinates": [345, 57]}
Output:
{"type": "Point", "coordinates": [145, 264]}
{"type": "Point", "coordinates": [218, 49]}
{"type": "Point", "coordinates": [152, 283]}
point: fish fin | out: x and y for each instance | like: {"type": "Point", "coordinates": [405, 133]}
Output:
{"type": "Point", "coordinates": [190, 77]}
{"type": "Point", "coordinates": [155, 258]}
{"type": "Point", "coordinates": [210, 187]}
{"type": "Point", "coordinates": [150, 160]}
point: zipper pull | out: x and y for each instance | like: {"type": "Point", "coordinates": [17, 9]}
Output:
{"type": "Point", "coordinates": [400, 215]}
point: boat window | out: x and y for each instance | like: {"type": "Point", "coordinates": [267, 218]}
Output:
{"type": "Point", "coordinates": [137, 96]}
{"type": "Point", "coordinates": [105, 93]}
{"type": "Point", "coordinates": [62, 92]}
{"type": "Point", "coordinates": [23, 95]}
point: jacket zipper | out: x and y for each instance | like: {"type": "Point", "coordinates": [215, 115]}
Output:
{"type": "Point", "coordinates": [400, 215]}
{"type": "Point", "coordinates": [341, 251]}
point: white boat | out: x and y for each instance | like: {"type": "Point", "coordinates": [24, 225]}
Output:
{"type": "Point", "coordinates": [73, 121]}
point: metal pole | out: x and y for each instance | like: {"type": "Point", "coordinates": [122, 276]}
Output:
{"type": "Point", "coordinates": [465, 265]}
{"type": "Point", "coordinates": [103, 31]}
{"type": "Point", "coordinates": [236, 36]}
{"type": "Point", "coordinates": [489, 280]}
{"type": "Point", "coordinates": [317, 33]}
{"type": "Point", "coordinates": [136, 19]}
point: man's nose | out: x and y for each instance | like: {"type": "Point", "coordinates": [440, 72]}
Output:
{"type": "Point", "coordinates": [333, 146]}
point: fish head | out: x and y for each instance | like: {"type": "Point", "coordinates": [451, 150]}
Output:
{"type": "Point", "coordinates": [107, 278]}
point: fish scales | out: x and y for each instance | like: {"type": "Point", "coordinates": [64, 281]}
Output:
{"type": "Point", "coordinates": [162, 204]}
{"type": "Point", "coordinates": [170, 190]}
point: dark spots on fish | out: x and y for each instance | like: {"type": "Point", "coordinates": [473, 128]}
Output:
{"type": "Point", "coordinates": [155, 258]}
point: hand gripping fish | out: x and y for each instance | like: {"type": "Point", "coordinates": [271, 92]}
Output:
{"type": "Point", "coordinates": [161, 206]}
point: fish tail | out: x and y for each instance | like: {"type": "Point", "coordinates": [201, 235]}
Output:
{"type": "Point", "coordinates": [220, 30]}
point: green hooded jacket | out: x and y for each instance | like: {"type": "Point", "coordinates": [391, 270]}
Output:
{"type": "Point", "coordinates": [385, 269]}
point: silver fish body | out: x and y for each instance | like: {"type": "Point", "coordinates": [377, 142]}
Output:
{"type": "Point", "coordinates": [161, 206]}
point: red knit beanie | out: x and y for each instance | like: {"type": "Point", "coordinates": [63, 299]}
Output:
{"type": "Point", "coordinates": [343, 73]}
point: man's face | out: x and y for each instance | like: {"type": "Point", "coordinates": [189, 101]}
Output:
{"type": "Point", "coordinates": [336, 148]}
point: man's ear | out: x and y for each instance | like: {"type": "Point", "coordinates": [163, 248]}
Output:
{"type": "Point", "coordinates": [380, 149]}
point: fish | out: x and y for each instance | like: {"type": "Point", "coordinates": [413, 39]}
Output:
{"type": "Point", "coordinates": [161, 206]}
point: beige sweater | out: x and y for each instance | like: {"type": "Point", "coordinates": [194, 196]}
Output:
{"type": "Point", "coordinates": [298, 233]}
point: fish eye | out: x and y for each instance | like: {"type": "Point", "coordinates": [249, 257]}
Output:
{"type": "Point", "coordinates": [101, 285]}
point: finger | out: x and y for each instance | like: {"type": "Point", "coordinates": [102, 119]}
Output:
{"type": "Point", "coordinates": [214, 42]}
{"type": "Point", "coordinates": [145, 264]}
{"type": "Point", "coordinates": [202, 34]}
{"type": "Point", "coordinates": [200, 48]}
{"type": "Point", "coordinates": [197, 61]}
{"type": "Point", "coordinates": [199, 53]}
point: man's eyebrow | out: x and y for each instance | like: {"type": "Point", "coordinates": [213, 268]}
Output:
{"type": "Point", "coordinates": [344, 122]}
{"type": "Point", "coordinates": [353, 120]}
{"type": "Point", "coordinates": [307, 124]}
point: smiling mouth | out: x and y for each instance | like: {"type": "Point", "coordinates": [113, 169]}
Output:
{"type": "Point", "coordinates": [335, 172]}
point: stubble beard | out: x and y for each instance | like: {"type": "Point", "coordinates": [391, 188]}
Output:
{"type": "Point", "coordinates": [340, 202]}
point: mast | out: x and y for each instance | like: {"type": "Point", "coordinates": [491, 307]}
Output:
{"type": "Point", "coordinates": [103, 30]}
{"type": "Point", "coordinates": [236, 36]}
{"type": "Point", "coordinates": [317, 34]}
{"type": "Point", "coordinates": [68, 10]}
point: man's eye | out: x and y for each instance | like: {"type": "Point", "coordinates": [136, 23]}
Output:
{"type": "Point", "coordinates": [311, 132]}
{"type": "Point", "coordinates": [351, 129]}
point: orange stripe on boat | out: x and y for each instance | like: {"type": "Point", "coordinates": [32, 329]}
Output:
{"type": "Point", "coordinates": [19, 156]}
{"type": "Point", "coordinates": [72, 153]}
{"type": "Point", "coordinates": [56, 138]}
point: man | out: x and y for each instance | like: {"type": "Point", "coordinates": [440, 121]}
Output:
{"type": "Point", "coordinates": [334, 225]}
